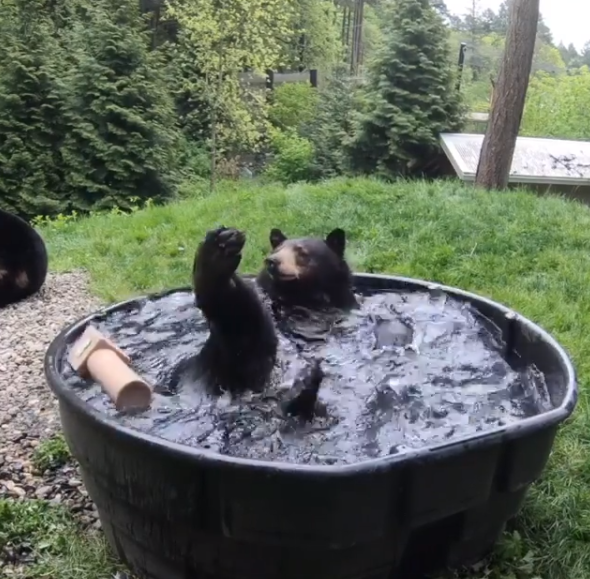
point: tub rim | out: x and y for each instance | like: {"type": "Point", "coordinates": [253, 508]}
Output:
{"type": "Point", "coordinates": [209, 458]}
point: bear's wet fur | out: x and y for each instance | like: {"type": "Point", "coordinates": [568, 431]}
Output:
{"type": "Point", "coordinates": [23, 259]}
{"type": "Point", "coordinates": [240, 351]}
{"type": "Point", "coordinates": [308, 272]}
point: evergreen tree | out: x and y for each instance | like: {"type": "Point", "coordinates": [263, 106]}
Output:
{"type": "Point", "coordinates": [31, 115]}
{"type": "Point", "coordinates": [332, 125]}
{"type": "Point", "coordinates": [411, 94]}
{"type": "Point", "coordinates": [123, 138]}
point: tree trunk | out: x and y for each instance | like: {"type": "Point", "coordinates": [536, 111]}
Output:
{"type": "Point", "coordinates": [217, 97]}
{"type": "Point", "coordinates": [509, 95]}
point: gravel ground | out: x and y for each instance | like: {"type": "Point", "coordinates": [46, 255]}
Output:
{"type": "Point", "coordinates": [28, 409]}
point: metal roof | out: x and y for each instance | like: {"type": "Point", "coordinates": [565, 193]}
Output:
{"type": "Point", "coordinates": [535, 161]}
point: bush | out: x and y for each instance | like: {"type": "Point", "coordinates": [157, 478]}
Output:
{"type": "Point", "coordinates": [411, 93]}
{"type": "Point", "coordinates": [195, 160]}
{"type": "Point", "coordinates": [293, 105]}
{"type": "Point", "coordinates": [557, 106]}
{"type": "Point", "coordinates": [293, 156]}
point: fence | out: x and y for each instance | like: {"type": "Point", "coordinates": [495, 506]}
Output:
{"type": "Point", "coordinates": [272, 79]}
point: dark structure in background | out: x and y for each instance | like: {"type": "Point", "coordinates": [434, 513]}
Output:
{"type": "Point", "coordinates": [461, 64]}
{"type": "Point", "coordinates": [162, 30]}
{"type": "Point", "coordinates": [352, 31]}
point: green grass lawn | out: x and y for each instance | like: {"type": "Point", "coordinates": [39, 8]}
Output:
{"type": "Point", "coordinates": [530, 253]}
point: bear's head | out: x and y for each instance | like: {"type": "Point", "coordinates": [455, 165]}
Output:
{"type": "Point", "coordinates": [308, 271]}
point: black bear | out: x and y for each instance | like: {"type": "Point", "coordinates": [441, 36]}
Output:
{"type": "Point", "coordinates": [304, 278]}
{"type": "Point", "coordinates": [308, 272]}
{"type": "Point", "coordinates": [23, 259]}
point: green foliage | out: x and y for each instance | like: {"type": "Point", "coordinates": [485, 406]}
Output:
{"type": "Point", "coordinates": [558, 106]}
{"type": "Point", "coordinates": [217, 42]}
{"type": "Point", "coordinates": [314, 36]}
{"type": "Point", "coordinates": [51, 453]}
{"type": "Point", "coordinates": [411, 95]}
{"type": "Point", "coordinates": [293, 105]}
{"type": "Point", "coordinates": [292, 157]}
{"type": "Point", "coordinates": [373, 31]}
{"type": "Point", "coordinates": [195, 160]}
{"type": "Point", "coordinates": [53, 542]}
{"type": "Point", "coordinates": [485, 32]}
{"type": "Point", "coordinates": [192, 104]}
{"type": "Point", "coordinates": [332, 127]}
{"type": "Point", "coordinates": [123, 140]}
{"type": "Point", "coordinates": [31, 111]}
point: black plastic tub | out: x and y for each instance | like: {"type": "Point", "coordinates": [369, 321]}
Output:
{"type": "Point", "coordinates": [176, 512]}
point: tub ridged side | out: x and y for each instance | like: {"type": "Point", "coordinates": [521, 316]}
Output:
{"type": "Point", "coordinates": [170, 518]}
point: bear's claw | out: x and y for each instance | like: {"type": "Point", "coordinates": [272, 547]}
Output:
{"type": "Point", "coordinates": [220, 253]}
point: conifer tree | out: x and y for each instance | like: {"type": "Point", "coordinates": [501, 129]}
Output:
{"type": "Point", "coordinates": [411, 94]}
{"type": "Point", "coordinates": [332, 126]}
{"type": "Point", "coordinates": [122, 142]}
{"type": "Point", "coordinates": [31, 112]}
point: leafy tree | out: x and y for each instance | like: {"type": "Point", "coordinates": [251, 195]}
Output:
{"type": "Point", "coordinates": [411, 94]}
{"type": "Point", "coordinates": [314, 40]}
{"type": "Point", "coordinates": [31, 112]}
{"type": "Point", "coordinates": [219, 39]}
{"type": "Point", "coordinates": [570, 55]}
{"type": "Point", "coordinates": [557, 105]}
{"type": "Point", "coordinates": [122, 142]}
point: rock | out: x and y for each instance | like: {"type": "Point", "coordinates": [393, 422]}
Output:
{"type": "Point", "coordinates": [43, 492]}
{"type": "Point", "coordinates": [14, 490]}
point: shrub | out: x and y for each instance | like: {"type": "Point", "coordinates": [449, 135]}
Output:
{"type": "Point", "coordinates": [293, 105]}
{"type": "Point", "coordinates": [292, 157]}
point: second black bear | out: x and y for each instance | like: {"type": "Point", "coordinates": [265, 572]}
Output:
{"type": "Point", "coordinates": [23, 259]}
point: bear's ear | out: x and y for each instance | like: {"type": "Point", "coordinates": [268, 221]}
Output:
{"type": "Point", "coordinates": [336, 241]}
{"type": "Point", "coordinates": [276, 238]}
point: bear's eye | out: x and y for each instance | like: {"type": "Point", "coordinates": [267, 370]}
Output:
{"type": "Point", "coordinates": [304, 258]}
{"type": "Point", "coordinates": [302, 253]}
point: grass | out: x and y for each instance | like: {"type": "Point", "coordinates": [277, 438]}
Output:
{"type": "Point", "coordinates": [51, 454]}
{"type": "Point", "coordinates": [48, 534]}
{"type": "Point", "coordinates": [530, 253]}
